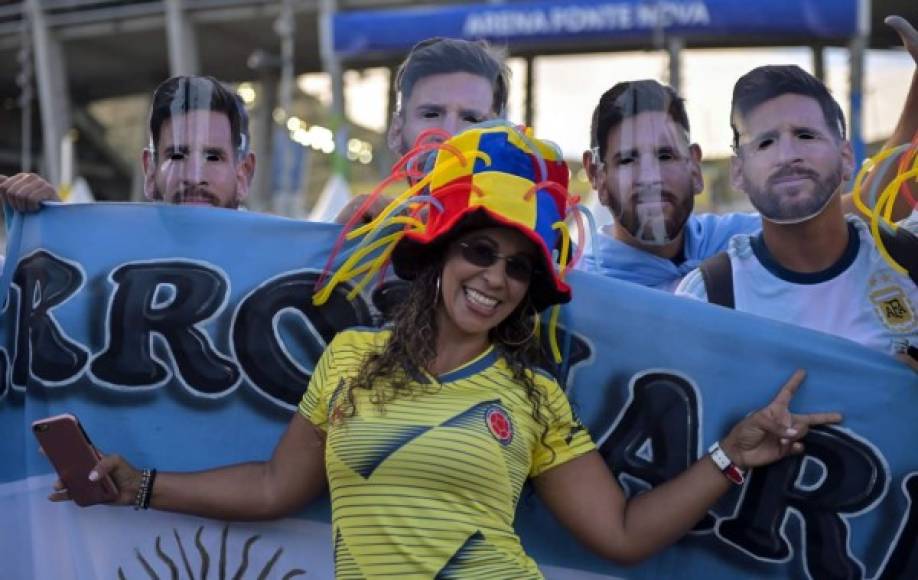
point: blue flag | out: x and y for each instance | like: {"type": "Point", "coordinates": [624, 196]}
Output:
{"type": "Point", "coordinates": [184, 337]}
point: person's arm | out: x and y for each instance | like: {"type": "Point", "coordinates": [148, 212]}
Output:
{"type": "Point", "coordinates": [25, 191]}
{"type": "Point", "coordinates": [586, 498]}
{"type": "Point", "coordinates": [909, 354]}
{"type": "Point", "coordinates": [906, 129]}
{"type": "Point", "coordinates": [293, 477]}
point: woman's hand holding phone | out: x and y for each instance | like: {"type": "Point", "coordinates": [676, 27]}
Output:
{"type": "Point", "coordinates": [115, 468]}
{"type": "Point", "coordinates": [68, 448]}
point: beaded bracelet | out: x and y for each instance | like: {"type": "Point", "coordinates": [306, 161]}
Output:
{"type": "Point", "coordinates": [142, 499]}
{"type": "Point", "coordinates": [148, 496]}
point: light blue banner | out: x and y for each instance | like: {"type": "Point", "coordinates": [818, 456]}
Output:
{"type": "Point", "coordinates": [361, 33]}
{"type": "Point", "coordinates": [182, 337]}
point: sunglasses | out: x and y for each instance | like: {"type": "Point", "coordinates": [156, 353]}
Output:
{"type": "Point", "coordinates": [479, 253]}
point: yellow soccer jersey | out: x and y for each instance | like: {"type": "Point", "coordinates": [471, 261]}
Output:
{"type": "Point", "coordinates": [428, 487]}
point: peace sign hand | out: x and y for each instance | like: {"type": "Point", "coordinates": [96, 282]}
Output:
{"type": "Point", "coordinates": [773, 431]}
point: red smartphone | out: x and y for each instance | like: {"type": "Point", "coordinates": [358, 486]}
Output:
{"type": "Point", "coordinates": [73, 456]}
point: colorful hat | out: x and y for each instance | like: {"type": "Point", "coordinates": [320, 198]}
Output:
{"type": "Point", "coordinates": [494, 176]}
{"type": "Point", "coordinates": [490, 175]}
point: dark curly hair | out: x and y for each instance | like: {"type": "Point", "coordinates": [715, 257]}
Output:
{"type": "Point", "coordinates": [412, 345]}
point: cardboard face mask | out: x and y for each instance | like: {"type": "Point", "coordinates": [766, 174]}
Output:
{"type": "Point", "coordinates": [647, 179]}
{"type": "Point", "coordinates": [195, 159]}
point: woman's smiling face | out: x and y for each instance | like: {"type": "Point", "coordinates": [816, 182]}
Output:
{"type": "Point", "coordinates": [476, 297]}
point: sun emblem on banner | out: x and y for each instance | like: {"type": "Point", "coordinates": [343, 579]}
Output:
{"type": "Point", "coordinates": [893, 306]}
{"type": "Point", "coordinates": [182, 558]}
{"type": "Point", "coordinates": [499, 424]}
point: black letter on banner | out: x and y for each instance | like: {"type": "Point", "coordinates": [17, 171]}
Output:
{"type": "Point", "coordinates": [44, 281]}
{"type": "Point", "coordinates": [7, 338]}
{"type": "Point", "coordinates": [656, 436]}
{"type": "Point", "coordinates": [854, 479]}
{"type": "Point", "coordinates": [260, 349]}
{"type": "Point", "coordinates": [903, 560]}
{"type": "Point", "coordinates": [134, 317]}
{"type": "Point", "coordinates": [4, 374]}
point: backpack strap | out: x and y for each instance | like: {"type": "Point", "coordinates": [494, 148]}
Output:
{"type": "Point", "coordinates": [717, 273]}
{"type": "Point", "coordinates": [903, 247]}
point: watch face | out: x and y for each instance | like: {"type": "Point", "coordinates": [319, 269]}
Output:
{"type": "Point", "coordinates": [720, 458]}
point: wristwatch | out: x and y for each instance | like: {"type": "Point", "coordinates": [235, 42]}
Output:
{"type": "Point", "coordinates": [727, 467]}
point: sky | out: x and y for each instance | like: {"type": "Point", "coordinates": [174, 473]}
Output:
{"type": "Point", "coordinates": [568, 87]}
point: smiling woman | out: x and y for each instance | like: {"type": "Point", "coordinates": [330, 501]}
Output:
{"type": "Point", "coordinates": [495, 212]}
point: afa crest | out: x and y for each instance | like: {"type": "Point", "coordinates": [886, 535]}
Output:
{"type": "Point", "coordinates": [894, 308]}
{"type": "Point", "coordinates": [499, 424]}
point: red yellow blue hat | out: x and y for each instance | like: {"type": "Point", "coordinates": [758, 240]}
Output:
{"type": "Point", "coordinates": [490, 175]}
{"type": "Point", "coordinates": [494, 176]}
